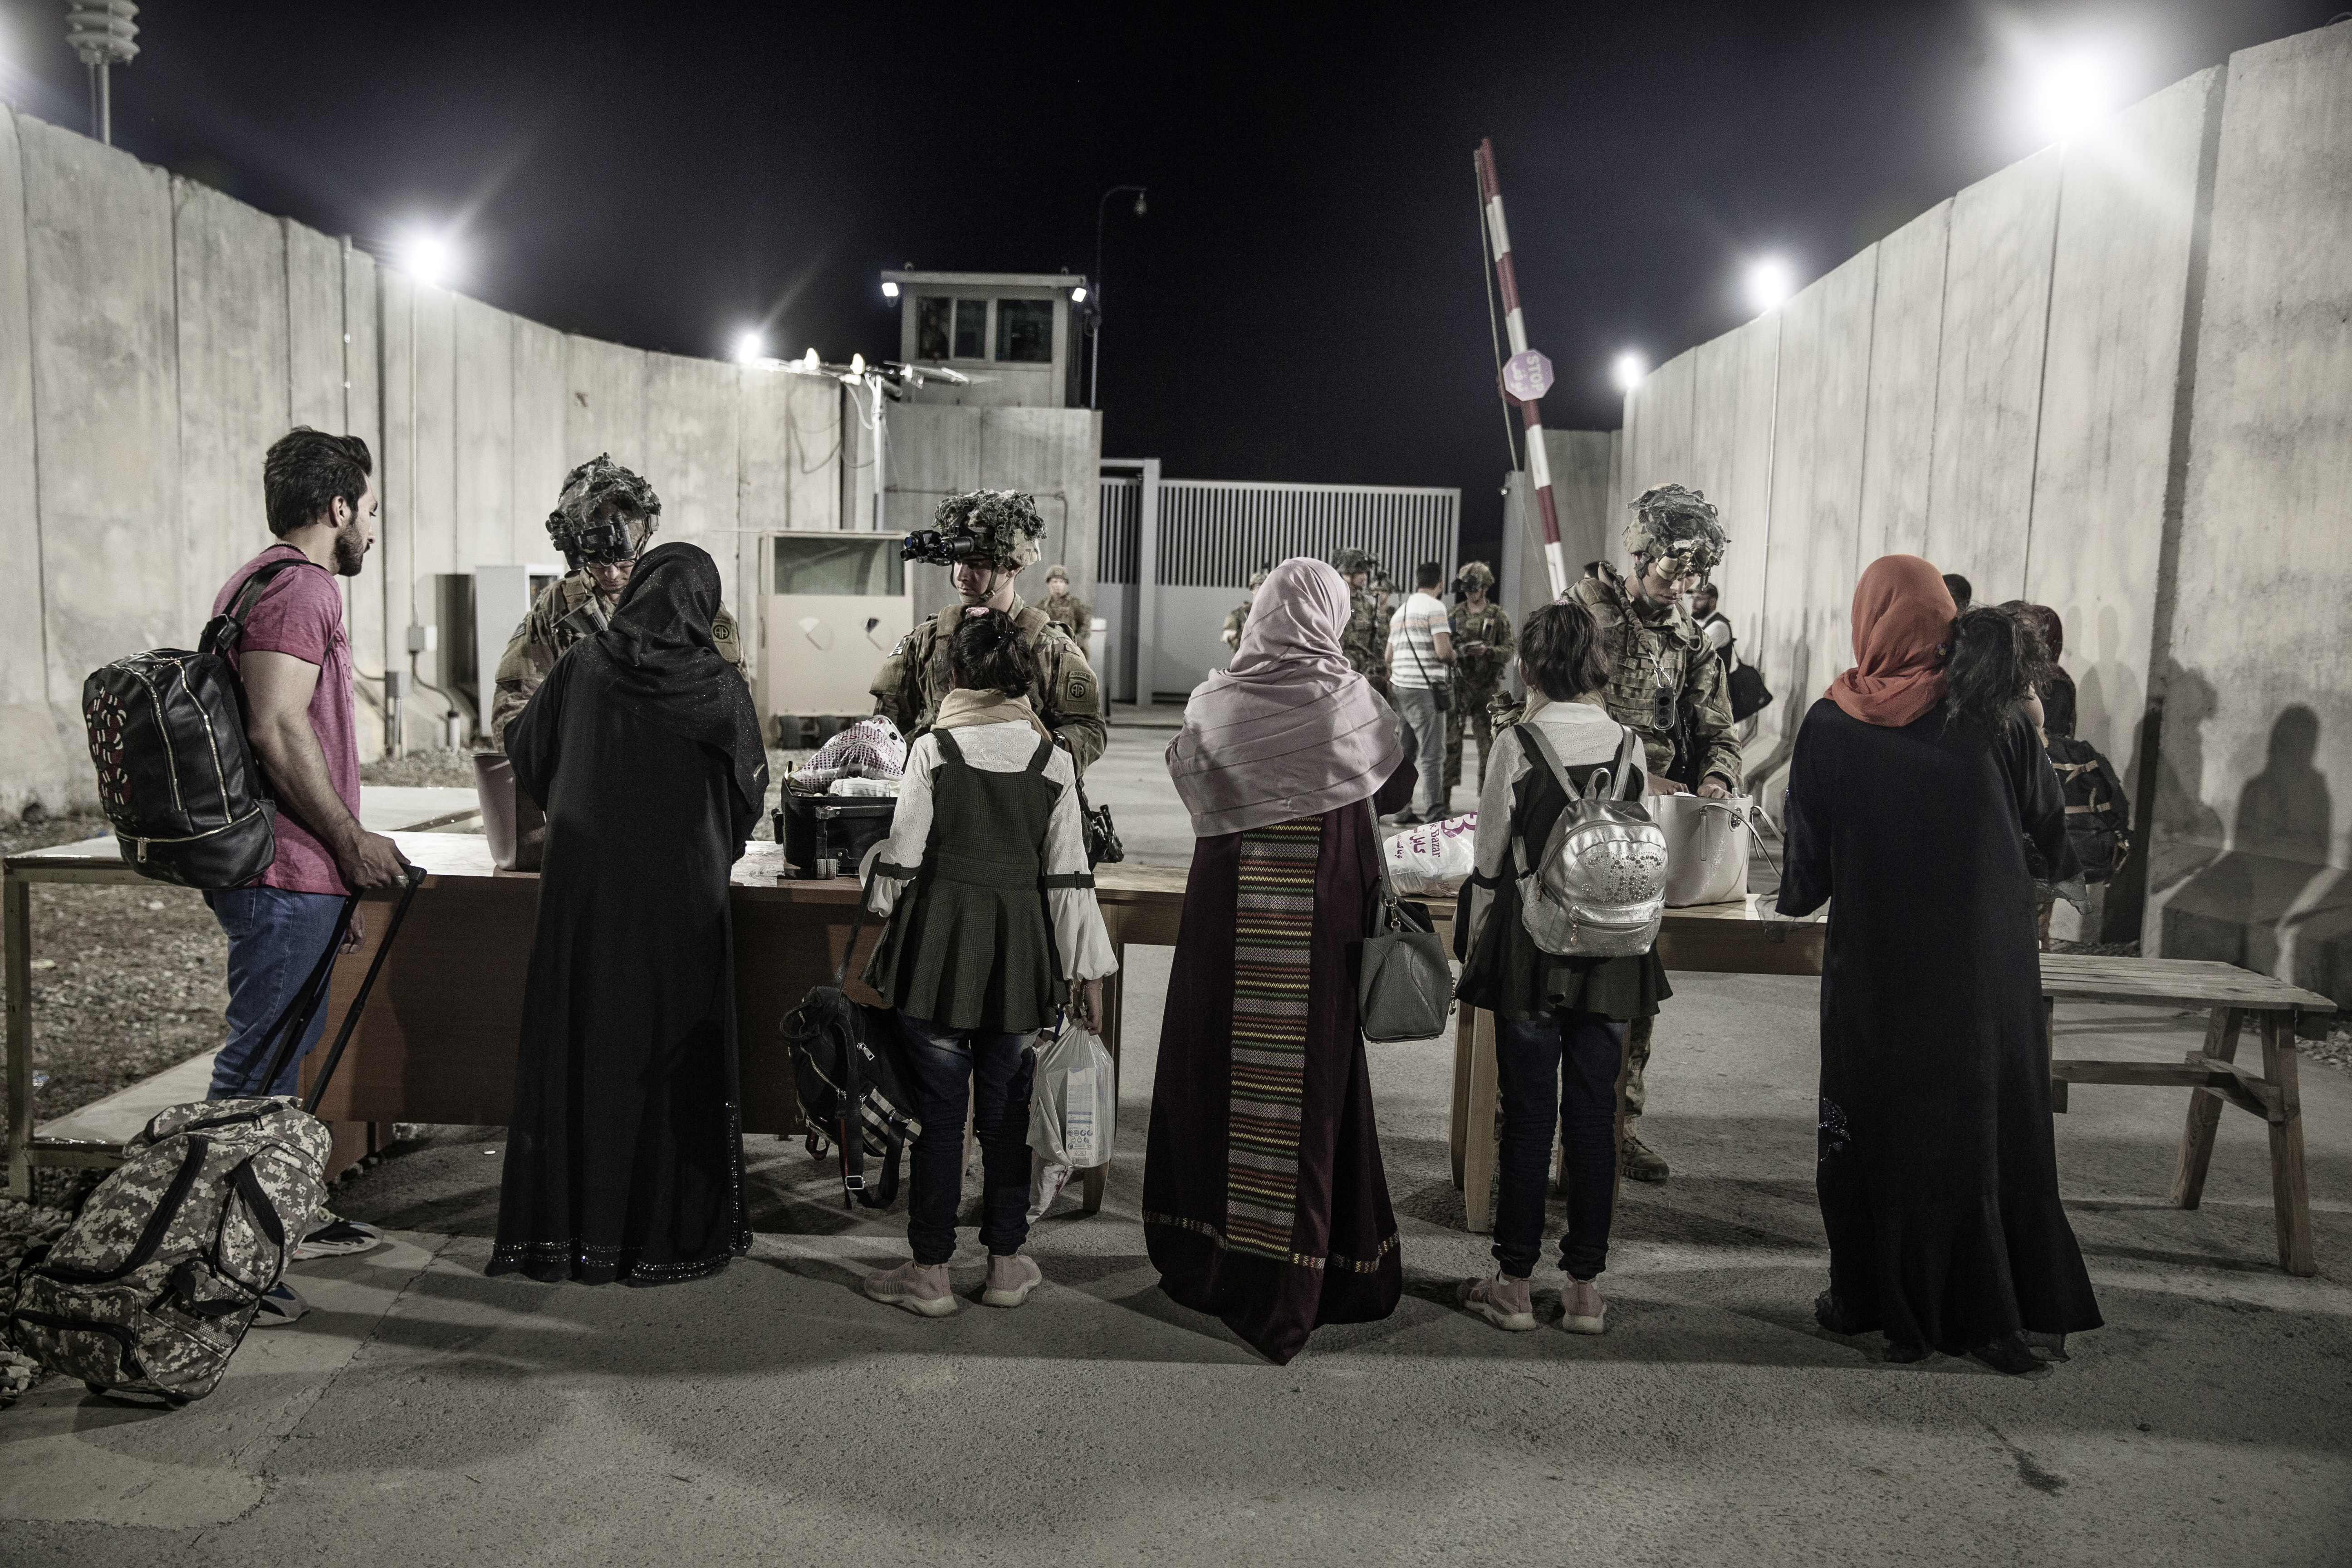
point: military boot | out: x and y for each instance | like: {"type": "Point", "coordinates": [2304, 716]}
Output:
{"type": "Point", "coordinates": [1639, 1161]}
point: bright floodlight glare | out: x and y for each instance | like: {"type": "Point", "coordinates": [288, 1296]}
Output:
{"type": "Point", "coordinates": [428, 260]}
{"type": "Point", "coordinates": [2072, 96]}
{"type": "Point", "coordinates": [811, 363]}
{"type": "Point", "coordinates": [1768, 284]}
{"type": "Point", "coordinates": [1078, 295]}
{"type": "Point", "coordinates": [749, 347]}
{"type": "Point", "coordinates": [857, 364]}
{"type": "Point", "coordinates": [890, 289]}
{"type": "Point", "coordinates": [1628, 371]}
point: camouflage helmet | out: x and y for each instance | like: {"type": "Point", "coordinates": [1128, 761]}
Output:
{"type": "Point", "coordinates": [601, 490]}
{"type": "Point", "coordinates": [1678, 528]}
{"type": "Point", "coordinates": [1006, 524]}
{"type": "Point", "coordinates": [1347, 563]}
{"type": "Point", "coordinates": [1259, 574]}
{"type": "Point", "coordinates": [1478, 573]}
{"type": "Point", "coordinates": [1057, 570]}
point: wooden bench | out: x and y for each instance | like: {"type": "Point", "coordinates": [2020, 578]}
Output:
{"type": "Point", "coordinates": [2212, 1074]}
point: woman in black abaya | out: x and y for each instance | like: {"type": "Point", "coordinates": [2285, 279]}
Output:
{"type": "Point", "coordinates": [1916, 786]}
{"type": "Point", "coordinates": [625, 1156]}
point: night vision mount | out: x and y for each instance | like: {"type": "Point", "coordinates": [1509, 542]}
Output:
{"type": "Point", "coordinates": [933, 547]}
{"type": "Point", "coordinates": [598, 544]}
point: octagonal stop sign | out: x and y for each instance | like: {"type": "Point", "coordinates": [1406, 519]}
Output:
{"type": "Point", "coordinates": [1527, 375]}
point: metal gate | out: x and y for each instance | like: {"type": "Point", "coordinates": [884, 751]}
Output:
{"type": "Point", "coordinates": [1174, 556]}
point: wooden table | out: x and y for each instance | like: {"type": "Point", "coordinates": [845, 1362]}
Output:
{"type": "Point", "coordinates": [1741, 937]}
{"type": "Point", "coordinates": [436, 1042]}
{"type": "Point", "coordinates": [2231, 997]}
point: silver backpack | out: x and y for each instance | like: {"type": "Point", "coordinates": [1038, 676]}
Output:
{"type": "Point", "coordinates": [1599, 890]}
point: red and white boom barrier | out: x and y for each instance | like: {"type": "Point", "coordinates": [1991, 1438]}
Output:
{"type": "Point", "coordinates": [1527, 376]}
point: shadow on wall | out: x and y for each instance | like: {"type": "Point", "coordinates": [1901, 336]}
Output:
{"type": "Point", "coordinates": [2270, 903]}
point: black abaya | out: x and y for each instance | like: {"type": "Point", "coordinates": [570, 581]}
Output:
{"type": "Point", "coordinates": [1938, 1176]}
{"type": "Point", "coordinates": [624, 1149]}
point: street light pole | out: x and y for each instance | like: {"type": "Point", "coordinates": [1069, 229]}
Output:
{"type": "Point", "coordinates": [1102, 209]}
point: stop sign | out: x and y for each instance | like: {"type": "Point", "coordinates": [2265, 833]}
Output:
{"type": "Point", "coordinates": [1527, 375]}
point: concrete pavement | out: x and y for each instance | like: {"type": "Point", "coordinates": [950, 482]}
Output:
{"type": "Point", "coordinates": [424, 1413]}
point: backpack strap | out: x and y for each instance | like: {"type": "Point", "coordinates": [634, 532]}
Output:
{"type": "Point", "coordinates": [1632, 756]}
{"type": "Point", "coordinates": [948, 751]}
{"type": "Point", "coordinates": [1044, 754]}
{"type": "Point", "coordinates": [228, 628]}
{"type": "Point", "coordinates": [1533, 738]}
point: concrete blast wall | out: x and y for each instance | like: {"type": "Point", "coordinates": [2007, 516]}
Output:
{"type": "Point", "coordinates": [156, 336]}
{"type": "Point", "coordinates": [2115, 378]}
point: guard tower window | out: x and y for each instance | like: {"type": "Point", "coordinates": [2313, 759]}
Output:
{"type": "Point", "coordinates": [971, 329]}
{"type": "Point", "coordinates": [1025, 330]}
{"type": "Point", "coordinates": [934, 326]}
{"type": "Point", "coordinates": [839, 567]}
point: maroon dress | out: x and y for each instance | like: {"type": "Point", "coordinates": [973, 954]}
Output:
{"type": "Point", "coordinates": [1265, 1203]}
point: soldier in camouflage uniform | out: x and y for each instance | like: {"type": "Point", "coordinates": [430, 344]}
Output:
{"type": "Point", "coordinates": [1668, 688]}
{"type": "Point", "coordinates": [1481, 653]}
{"type": "Point", "coordinates": [1237, 618]}
{"type": "Point", "coordinates": [1364, 641]}
{"type": "Point", "coordinates": [1065, 610]}
{"type": "Point", "coordinates": [601, 522]}
{"type": "Point", "coordinates": [911, 683]}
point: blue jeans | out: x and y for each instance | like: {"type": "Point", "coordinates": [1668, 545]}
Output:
{"type": "Point", "coordinates": [1417, 706]}
{"type": "Point", "coordinates": [952, 1068]}
{"type": "Point", "coordinates": [1574, 1057]}
{"type": "Point", "coordinates": [274, 938]}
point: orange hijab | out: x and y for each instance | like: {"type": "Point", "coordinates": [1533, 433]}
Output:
{"type": "Point", "coordinates": [1903, 618]}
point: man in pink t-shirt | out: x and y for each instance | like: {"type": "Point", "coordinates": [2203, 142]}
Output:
{"type": "Point", "coordinates": [296, 664]}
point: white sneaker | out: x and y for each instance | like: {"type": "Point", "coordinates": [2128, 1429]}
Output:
{"type": "Point", "coordinates": [1581, 1307]}
{"type": "Point", "coordinates": [332, 1236]}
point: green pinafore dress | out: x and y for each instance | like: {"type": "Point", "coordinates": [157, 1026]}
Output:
{"type": "Point", "coordinates": [969, 945]}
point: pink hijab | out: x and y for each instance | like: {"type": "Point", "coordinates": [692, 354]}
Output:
{"type": "Point", "coordinates": [1901, 623]}
{"type": "Point", "coordinates": [1290, 730]}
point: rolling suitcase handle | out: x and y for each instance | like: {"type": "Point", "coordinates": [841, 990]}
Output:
{"type": "Point", "coordinates": [367, 984]}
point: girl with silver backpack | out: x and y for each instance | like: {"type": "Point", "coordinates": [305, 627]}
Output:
{"type": "Point", "coordinates": [1563, 922]}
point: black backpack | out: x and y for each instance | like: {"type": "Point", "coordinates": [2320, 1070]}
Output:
{"type": "Point", "coordinates": [2098, 823]}
{"type": "Point", "coordinates": [175, 773]}
{"type": "Point", "coordinates": [852, 1080]}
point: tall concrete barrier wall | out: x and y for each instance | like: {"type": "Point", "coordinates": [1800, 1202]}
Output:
{"type": "Point", "coordinates": [156, 336]}
{"type": "Point", "coordinates": [2115, 378]}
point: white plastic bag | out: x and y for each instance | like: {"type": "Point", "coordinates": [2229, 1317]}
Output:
{"type": "Point", "coordinates": [1073, 1100]}
{"type": "Point", "coordinates": [1436, 857]}
{"type": "Point", "coordinates": [1045, 1183]}
{"type": "Point", "coordinates": [1708, 843]}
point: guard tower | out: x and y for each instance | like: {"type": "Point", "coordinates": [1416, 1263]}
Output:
{"type": "Point", "coordinates": [1015, 334]}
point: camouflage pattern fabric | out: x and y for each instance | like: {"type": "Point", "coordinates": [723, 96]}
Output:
{"type": "Point", "coordinates": [1673, 651]}
{"type": "Point", "coordinates": [1067, 699]}
{"type": "Point", "coordinates": [542, 638]}
{"type": "Point", "coordinates": [153, 1287]}
{"type": "Point", "coordinates": [1006, 523]}
{"type": "Point", "coordinates": [1476, 678]}
{"type": "Point", "coordinates": [1072, 613]}
{"type": "Point", "coordinates": [1364, 641]}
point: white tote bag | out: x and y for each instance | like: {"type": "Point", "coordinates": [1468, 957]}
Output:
{"type": "Point", "coordinates": [1707, 844]}
{"type": "Point", "coordinates": [1073, 1100]}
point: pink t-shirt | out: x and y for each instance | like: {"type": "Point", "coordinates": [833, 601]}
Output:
{"type": "Point", "coordinates": [302, 613]}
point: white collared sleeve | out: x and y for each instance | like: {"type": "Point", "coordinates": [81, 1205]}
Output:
{"type": "Point", "coordinates": [910, 828]}
{"type": "Point", "coordinates": [1492, 852]}
{"type": "Point", "coordinates": [1080, 934]}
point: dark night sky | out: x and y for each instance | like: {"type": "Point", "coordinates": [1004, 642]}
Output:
{"type": "Point", "coordinates": [1303, 300]}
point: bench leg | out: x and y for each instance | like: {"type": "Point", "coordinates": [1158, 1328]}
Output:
{"type": "Point", "coordinates": [2290, 1195]}
{"type": "Point", "coordinates": [1480, 1150]}
{"type": "Point", "coordinates": [1457, 1118]}
{"type": "Point", "coordinates": [2204, 1112]}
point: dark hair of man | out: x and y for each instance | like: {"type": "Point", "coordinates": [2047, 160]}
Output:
{"type": "Point", "coordinates": [306, 472]}
{"type": "Point", "coordinates": [1563, 651]}
{"type": "Point", "coordinates": [1992, 668]}
{"type": "Point", "coordinates": [1428, 574]}
{"type": "Point", "coordinates": [987, 655]}
{"type": "Point", "coordinates": [1957, 586]}
{"type": "Point", "coordinates": [1705, 594]}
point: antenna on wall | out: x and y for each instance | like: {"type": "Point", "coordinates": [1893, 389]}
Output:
{"type": "Point", "coordinates": [101, 32]}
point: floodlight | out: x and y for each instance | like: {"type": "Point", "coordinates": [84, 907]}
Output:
{"type": "Point", "coordinates": [750, 348]}
{"type": "Point", "coordinates": [890, 289]}
{"type": "Point", "coordinates": [811, 363]}
{"type": "Point", "coordinates": [857, 364]}
{"type": "Point", "coordinates": [1768, 284]}
{"type": "Point", "coordinates": [2073, 94]}
{"type": "Point", "coordinates": [428, 260]}
{"type": "Point", "coordinates": [1078, 295]}
{"type": "Point", "coordinates": [1628, 371]}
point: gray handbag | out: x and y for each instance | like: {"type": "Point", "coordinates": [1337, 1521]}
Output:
{"type": "Point", "coordinates": [1404, 989]}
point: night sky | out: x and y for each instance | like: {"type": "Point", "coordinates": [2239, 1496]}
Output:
{"type": "Point", "coordinates": [1303, 300]}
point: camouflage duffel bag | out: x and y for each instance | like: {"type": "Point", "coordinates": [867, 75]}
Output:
{"type": "Point", "coordinates": [153, 1287]}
